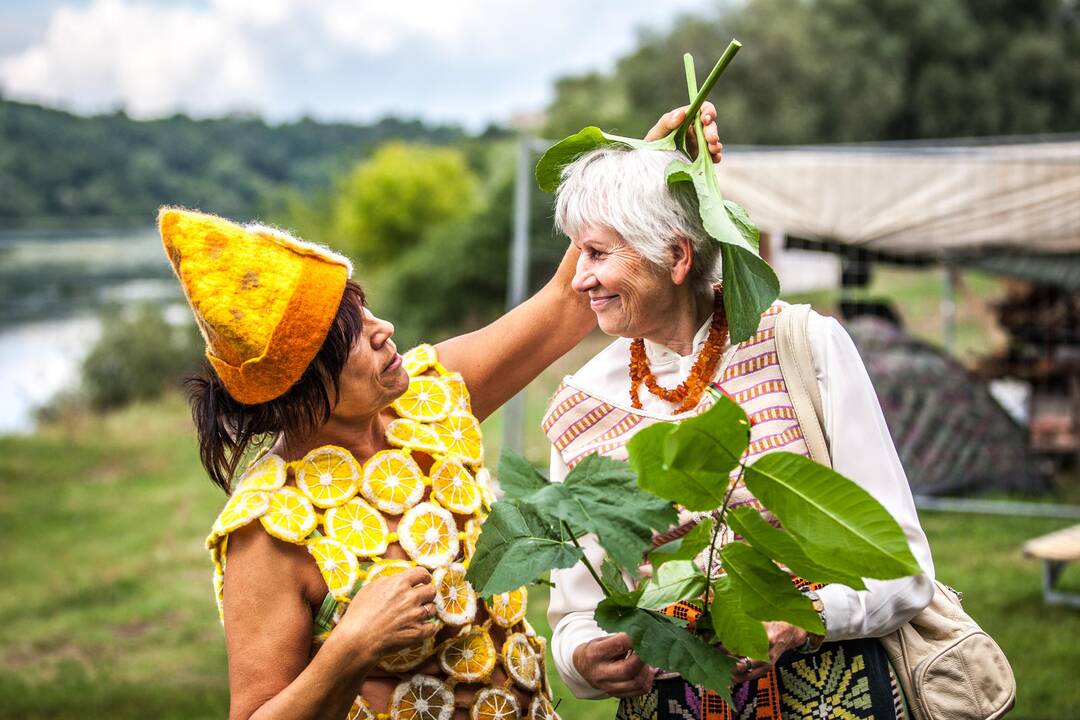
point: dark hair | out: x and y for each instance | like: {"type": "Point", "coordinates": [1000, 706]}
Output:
{"type": "Point", "coordinates": [227, 429]}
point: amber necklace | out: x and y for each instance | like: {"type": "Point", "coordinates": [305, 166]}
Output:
{"type": "Point", "coordinates": [689, 392]}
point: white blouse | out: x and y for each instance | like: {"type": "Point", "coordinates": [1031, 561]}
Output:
{"type": "Point", "coordinates": [861, 450]}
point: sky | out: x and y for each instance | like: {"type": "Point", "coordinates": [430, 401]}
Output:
{"type": "Point", "coordinates": [461, 61]}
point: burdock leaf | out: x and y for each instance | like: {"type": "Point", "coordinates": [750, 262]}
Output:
{"type": "Point", "coordinates": [765, 591]}
{"type": "Point", "coordinates": [737, 631]}
{"type": "Point", "coordinates": [783, 547]}
{"type": "Point", "coordinates": [663, 644]}
{"type": "Point", "coordinates": [750, 287]}
{"type": "Point", "coordinates": [515, 547]}
{"type": "Point", "coordinates": [550, 166]}
{"type": "Point", "coordinates": [688, 547]}
{"type": "Point", "coordinates": [831, 516]}
{"type": "Point", "coordinates": [670, 583]}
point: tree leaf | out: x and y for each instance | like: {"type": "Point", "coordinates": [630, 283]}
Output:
{"type": "Point", "coordinates": [550, 166]}
{"type": "Point", "coordinates": [831, 516]}
{"type": "Point", "coordinates": [612, 576]}
{"type": "Point", "coordinates": [664, 644]}
{"type": "Point", "coordinates": [740, 634]}
{"type": "Point", "coordinates": [517, 476]}
{"type": "Point", "coordinates": [670, 583]}
{"type": "Point", "coordinates": [750, 287]}
{"type": "Point", "coordinates": [783, 547]}
{"type": "Point", "coordinates": [515, 547]}
{"type": "Point", "coordinates": [688, 547]}
{"type": "Point", "coordinates": [765, 591]}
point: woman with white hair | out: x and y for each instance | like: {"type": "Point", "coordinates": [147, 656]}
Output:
{"type": "Point", "coordinates": [652, 276]}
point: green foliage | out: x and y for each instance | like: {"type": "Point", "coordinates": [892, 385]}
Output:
{"type": "Point", "coordinates": [685, 548]}
{"type": "Point", "coordinates": [138, 357]}
{"type": "Point", "coordinates": [765, 591]}
{"type": "Point", "coordinates": [743, 635]}
{"type": "Point", "coordinates": [671, 582]}
{"type": "Point", "coordinates": [750, 287]}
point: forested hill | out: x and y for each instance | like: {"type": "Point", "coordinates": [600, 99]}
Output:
{"type": "Point", "coordinates": [59, 170]}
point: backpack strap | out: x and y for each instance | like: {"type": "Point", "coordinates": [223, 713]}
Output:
{"type": "Point", "coordinates": [797, 366]}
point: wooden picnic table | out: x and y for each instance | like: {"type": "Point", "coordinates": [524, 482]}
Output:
{"type": "Point", "coordinates": [1056, 550]}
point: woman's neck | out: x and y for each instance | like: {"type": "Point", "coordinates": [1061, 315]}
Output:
{"type": "Point", "coordinates": [361, 436]}
{"type": "Point", "coordinates": [682, 319]}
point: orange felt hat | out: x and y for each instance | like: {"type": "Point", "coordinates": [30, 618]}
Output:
{"type": "Point", "coordinates": [263, 299]}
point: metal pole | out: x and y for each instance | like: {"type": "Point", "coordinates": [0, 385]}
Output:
{"type": "Point", "coordinates": [948, 307]}
{"type": "Point", "coordinates": [518, 282]}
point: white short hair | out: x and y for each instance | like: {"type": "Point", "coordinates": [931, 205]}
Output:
{"type": "Point", "coordinates": [626, 190]}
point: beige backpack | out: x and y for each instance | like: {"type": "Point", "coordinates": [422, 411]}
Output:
{"type": "Point", "coordinates": [949, 668]}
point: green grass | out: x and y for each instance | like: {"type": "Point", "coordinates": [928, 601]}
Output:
{"type": "Point", "coordinates": [107, 610]}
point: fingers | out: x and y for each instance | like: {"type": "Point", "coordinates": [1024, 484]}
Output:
{"type": "Point", "coordinates": [667, 122]}
{"type": "Point", "coordinates": [415, 576]}
{"type": "Point", "coordinates": [639, 684]}
{"type": "Point", "coordinates": [611, 646]}
{"type": "Point", "coordinates": [747, 670]}
{"type": "Point", "coordinates": [423, 593]}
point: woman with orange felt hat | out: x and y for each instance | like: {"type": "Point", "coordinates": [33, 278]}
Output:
{"type": "Point", "coordinates": [339, 556]}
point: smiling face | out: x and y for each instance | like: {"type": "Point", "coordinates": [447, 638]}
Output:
{"type": "Point", "coordinates": [373, 376]}
{"type": "Point", "coordinates": [629, 295]}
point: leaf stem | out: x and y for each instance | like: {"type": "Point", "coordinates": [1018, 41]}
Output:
{"type": "Point", "coordinates": [699, 96]}
{"type": "Point", "coordinates": [719, 520]}
{"type": "Point", "coordinates": [585, 559]}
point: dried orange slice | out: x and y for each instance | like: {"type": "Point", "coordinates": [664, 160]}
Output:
{"type": "Point", "coordinates": [427, 400]}
{"type": "Point", "coordinates": [241, 509]}
{"type": "Point", "coordinates": [266, 473]}
{"type": "Point", "coordinates": [290, 517]}
{"type": "Point", "coordinates": [454, 487]}
{"type": "Point", "coordinates": [494, 703]}
{"type": "Point", "coordinates": [459, 392]}
{"type": "Point", "coordinates": [360, 527]}
{"type": "Point", "coordinates": [386, 568]}
{"type": "Point", "coordinates": [508, 608]}
{"type": "Point", "coordinates": [419, 359]}
{"type": "Point", "coordinates": [422, 697]}
{"type": "Point", "coordinates": [393, 482]}
{"type": "Point", "coordinates": [428, 534]}
{"type": "Point", "coordinates": [540, 709]}
{"type": "Point", "coordinates": [360, 710]}
{"type": "Point", "coordinates": [328, 475]}
{"type": "Point", "coordinates": [460, 434]}
{"type": "Point", "coordinates": [469, 657]}
{"type": "Point", "coordinates": [472, 534]}
{"type": "Point", "coordinates": [405, 433]}
{"type": "Point", "coordinates": [408, 658]}
{"type": "Point", "coordinates": [521, 661]}
{"type": "Point", "coordinates": [455, 599]}
{"type": "Point", "coordinates": [487, 490]}
{"type": "Point", "coordinates": [338, 565]}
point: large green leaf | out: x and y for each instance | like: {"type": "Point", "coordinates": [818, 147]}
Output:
{"type": "Point", "coordinates": [737, 631]}
{"type": "Point", "coordinates": [664, 644]}
{"type": "Point", "coordinates": [516, 546]}
{"type": "Point", "coordinates": [714, 213]}
{"type": "Point", "coordinates": [550, 166]}
{"type": "Point", "coordinates": [517, 477]}
{"type": "Point", "coordinates": [688, 547]}
{"type": "Point", "coordinates": [750, 287]}
{"type": "Point", "coordinates": [670, 583]}
{"type": "Point", "coordinates": [696, 489]}
{"type": "Point", "coordinates": [831, 516]}
{"type": "Point", "coordinates": [713, 442]}
{"type": "Point", "coordinates": [784, 547]}
{"type": "Point", "coordinates": [765, 591]}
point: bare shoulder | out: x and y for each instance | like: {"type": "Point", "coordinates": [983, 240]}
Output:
{"type": "Point", "coordinates": [259, 563]}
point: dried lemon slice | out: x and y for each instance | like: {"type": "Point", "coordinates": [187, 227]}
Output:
{"type": "Point", "coordinates": [393, 482]}
{"type": "Point", "coordinates": [508, 608]}
{"type": "Point", "coordinates": [290, 517]}
{"type": "Point", "coordinates": [328, 475]}
{"type": "Point", "coordinates": [427, 400]}
{"type": "Point", "coordinates": [241, 509]}
{"type": "Point", "coordinates": [540, 709]}
{"type": "Point", "coordinates": [455, 599]}
{"type": "Point", "coordinates": [410, 434]}
{"type": "Point", "coordinates": [460, 434]}
{"type": "Point", "coordinates": [360, 710]}
{"type": "Point", "coordinates": [483, 480]}
{"type": "Point", "coordinates": [521, 661]}
{"type": "Point", "coordinates": [386, 568]}
{"type": "Point", "coordinates": [420, 358]}
{"type": "Point", "coordinates": [469, 657]}
{"type": "Point", "coordinates": [422, 697]}
{"type": "Point", "coordinates": [408, 658]}
{"type": "Point", "coordinates": [266, 473]}
{"type": "Point", "coordinates": [459, 392]}
{"type": "Point", "coordinates": [472, 534]}
{"type": "Point", "coordinates": [428, 534]}
{"type": "Point", "coordinates": [493, 703]}
{"type": "Point", "coordinates": [360, 527]}
{"type": "Point", "coordinates": [454, 487]}
{"type": "Point", "coordinates": [338, 565]}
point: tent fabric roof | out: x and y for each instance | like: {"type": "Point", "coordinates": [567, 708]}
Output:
{"type": "Point", "coordinates": [915, 198]}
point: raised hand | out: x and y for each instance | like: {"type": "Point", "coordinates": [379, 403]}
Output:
{"type": "Point", "coordinates": [672, 119]}
{"type": "Point", "coordinates": [609, 664]}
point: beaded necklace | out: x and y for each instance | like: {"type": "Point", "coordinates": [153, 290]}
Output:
{"type": "Point", "coordinates": [689, 392]}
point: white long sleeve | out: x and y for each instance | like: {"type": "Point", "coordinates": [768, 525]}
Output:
{"type": "Point", "coordinates": [861, 450]}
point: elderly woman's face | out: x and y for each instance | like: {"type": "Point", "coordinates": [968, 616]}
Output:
{"type": "Point", "coordinates": [373, 376]}
{"type": "Point", "coordinates": [626, 291]}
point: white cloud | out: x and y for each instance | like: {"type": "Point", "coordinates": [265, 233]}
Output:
{"type": "Point", "coordinates": [463, 60]}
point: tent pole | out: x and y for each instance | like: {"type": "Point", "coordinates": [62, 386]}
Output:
{"type": "Point", "coordinates": [948, 306]}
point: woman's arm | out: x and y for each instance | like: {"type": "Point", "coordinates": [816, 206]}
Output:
{"type": "Point", "coordinates": [268, 631]}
